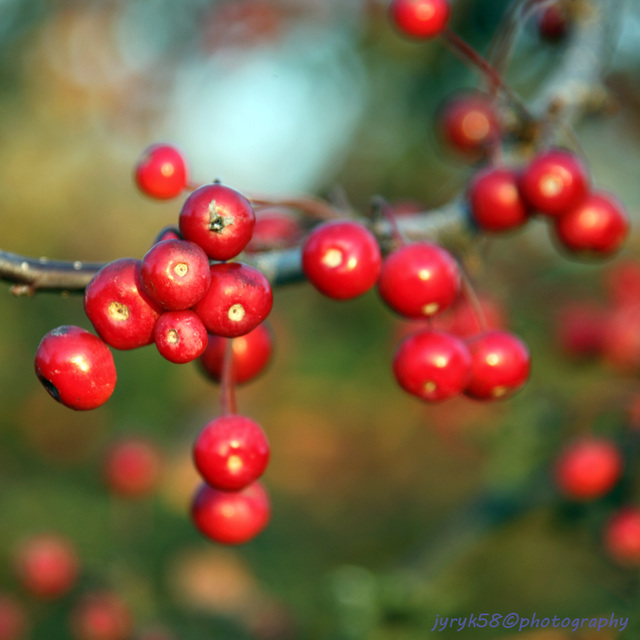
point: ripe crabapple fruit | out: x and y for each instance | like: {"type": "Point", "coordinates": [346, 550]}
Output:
{"type": "Point", "coordinates": [180, 336]}
{"type": "Point", "coordinates": [420, 18]}
{"type": "Point", "coordinates": [419, 279]}
{"type": "Point", "coordinates": [13, 618]}
{"type": "Point", "coordinates": [432, 365]}
{"type": "Point", "coordinates": [161, 172]}
{"type": "Point", "coordinates": [231, 517]}
{"type": "Point", "coordinates": [219, 219]}
{"type": "Point", "coordinates": [500, 365]}
{"type": "Point", "coordinates": [597, 225]}
{"type": "Point", "coordinates": [580, 329]}
{"type": "Point", "coordinates": [121, 312]}
{"type": "Point", "coordinates": [622, 537]}
{"type": "Point", "coordinates": [341, 259]}
{"type": "Point", "coordinates": [588, 468]}
{"type": "Point", "coordinates": [496, 204]}
{"type": "Point", "coordinates": [46, 565]}
{"type": "Point", "coordinates": [231, 452]}
{"type": "Point", "coordinates": [554, 182]}
{"type": "Point", "coordinates": [76, 368]}
{"type": "Point", "coordinates": [175, 273]}
{"type": "Point", "coordinates": [101, 616]}
{"type": "Point", "coordinates": [239, 298]}
{"type": "Point", "coordinates": [552, 22]}
{"type": "Point", "coordinates": [275, 228]}
{"type": "Point", "coordinates": [132, 468]}
{"type": "Point", "coordinates": [250, 354]}
{"type": "Point", "coordinates": [622, 282]}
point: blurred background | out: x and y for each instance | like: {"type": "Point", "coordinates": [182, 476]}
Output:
{"type": "Point", "coordinates": [386, 512]}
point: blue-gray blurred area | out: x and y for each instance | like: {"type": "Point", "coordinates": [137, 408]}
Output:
{"type": "Point", "coordinates": [386, 511]}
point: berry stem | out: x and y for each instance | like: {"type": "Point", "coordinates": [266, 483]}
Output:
{"type": "Point", "coordinates": [471, 298]}
{"type": "Point", "coordinates": [380, 208]}
{"type": "Point", "coordinates": [314, 207]}
{"type": "Point", "coordinates": [228, 383]}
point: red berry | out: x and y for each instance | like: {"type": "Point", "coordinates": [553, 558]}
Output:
{"type": "Point", "coordinates": [46, 565]}
{"type": "Point", "coordinates": [622, 282]}
{"type": "Point", "coordinates": [101, 616]}
{"type": "Point", "coordinates": [420, 18]}
{"type": "Point", "coordinates": [231, 452]}
{"type": "Point", "coordinates": [469, 124]}
{"type": "Point", "coordinates": [588, 468]}
{"type": "Point", "coordinates": [75, 367]}
{"type": "Point", "coordinates": [495, 200]}
{"type": "Point", "coordinates": [580, 329]}
{"type": "Point", "coordinates": [432, 365]}
{"type": "Point", "coordinates": [167, 233]}
{"type": "Point", "coordinates": [175, 274]}
{"type": "Point", "coordinates": [621, 342]}
{"type": "Point", "coordinates": [598, 225]}
{"type": "Point", "coordinates": [219, 219]}
{"type": "Point", "coordinates": [555, 182]}
{"type": "Point", "coordinates": [622, 537]}
{"type": "Point", "coordinates": [13, 618]}
{"type": "Point", "coordinates": [239, 298]}
{"type": "Point", "coordinates": [500, 365]}
{"type": "Point", "coordinates": [250, 354]}
{"type": "Point", "coordinates": [275, 228]}
{"type": "Point", "coordinates": [341, 259]}
{"type": "Point", "coordinates": [552, 22]}
{"type": "Point", "coordinates": [122, 314]}
{"type": "Point", "coordinates": [161, 172]}
{"type": "Point", "coordinates": [419, 280]}
{"type": "Point", "coordinates": [231, 517]}
{"type": "Point", "coordinates": [180, 336]}
{"type": "Point", "coordinates": [132, 468]}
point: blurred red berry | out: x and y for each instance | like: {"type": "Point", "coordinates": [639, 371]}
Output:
{"type": "Point", "coordinates": [420, 18]}
{"type": "Point", "coordinates": [580, 329]}
{"type": "Point", "coordinates": [13, 618]}
{"type": "Point", "coordinates": [275, 228]}
{"type": "Point", "coordinates": [132, 468]}
{"type": "Point", "coordinates": [101, 616]}
{"type": "Point", "coordinates": [161, 172]}
{"type": "Point", "coordinates": [622, 537]}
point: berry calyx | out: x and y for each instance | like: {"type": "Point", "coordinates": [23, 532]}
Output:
{"type": "Point", "coordinates": [175, 274]}
{"type": "Point", "coordinates": [432, 365]}
{"type": "Point", "coordinates": [239, 298]}
{"type": "Point", "coordinates": [161, 172]}
{"type": "Point", "coordinates": [46, 565]}
{"type": "Point", "coordinates": [231, 452]}
{"type": "Point", "coordinates": [419, 280]}
{"type": "Point", "coordinates": [101, 616]}
{"type": "Point", "coordinates": [598, 225]}
{"type": "Point", "coordinates": [420, 18]}
{"type": "Point", "coordinates": [76, 368]}
{"type": "Point", "coordinates": [588, 468]}
{"type": "Point", "coordinates": [496, 204]}
{"type": "Point", "coordinates": [250, 354]}
{"type": "Point", "coordinates": [554, 182]}
{"type": "Point", "coordinates": [231, 517]}
{"type": "Point", "coordinates": [219, 219]}
{"type": "Point", "coordinates": [180, 336]}
{"type": "Point", "coordinates": [622, 537]}
{"type": "Point", "coordinates": [121, 312]}
{"type": "Point", "coordinates": [341, 259]}
{"type": "Point", "coordinates": [500, 365]}
{"type": "Point", "coordinates": [132, 468]}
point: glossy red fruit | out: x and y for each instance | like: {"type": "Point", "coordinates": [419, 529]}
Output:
{"type": "Point", "coordinates": [495, 201]}
{"type": "Point", "coordinates": [121, 312]}
{"type": "Point", "coordinates": [275, 228]}
{"type": "Point", "coordinates": [598, 225]}
{"type": "Point", "coordinates": [239, 298]}
{"type": "Point", "coordinates": [555, 182]}
{"type": "Point", "coordinates": [180, 336]}
{"type": "Point", "coordinates": [580, 329]}
{"type": "Point", "coordinates": [161, 172]}
{"type": "Point", "coordinates": [231, 452]}
{"type": "Point", "coordinates": [500, 365]}
{"type": "Point", "coordinates": [469, 124]}
{"type": "Point", "coordinates": [46, 565]}
{"type": "Point", "coordinates": [419, 280]}
{"type": "Point", "coordinates": [175, 274]}
{"type": "Point", "coordinates": [420, 18]}
{"type": "Point", "coordinates": [432, 365]}
{"type": "Point", "coordinates": [622, 282]}
{"type": "Point", "coordinates": [13, 618]}
{"type": "Point", "coordinates": [588, 468]}
{"type": "Point", "coordinates": [341, 259]}
{"type": "Point", "coordinates": [231, 517]}
{"type": "Point", "coordinates": [76, 368]}
{"type": "Point", "coordinates": [622, 537]}
{"type": "Point", "coordinates": [219, 219]}
{"type": "Point", "coordinates": [101, 616]}
{"type": "Point", "coordinates": [132, 468]}
{"type": "Point", "coordinates": [250, 354]}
